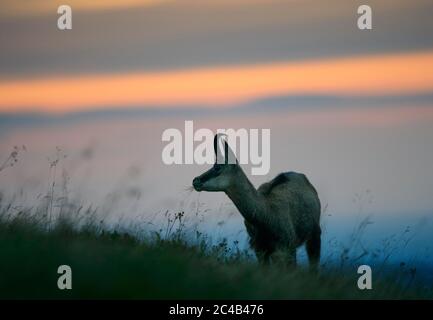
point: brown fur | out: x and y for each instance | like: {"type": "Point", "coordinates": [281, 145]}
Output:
{"type": "Point", "coordinates": [288, 217]}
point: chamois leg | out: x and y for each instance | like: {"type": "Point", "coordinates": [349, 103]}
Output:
{"type": "Point", "coordinates": [263, 257]}
{"type": "Point", "coordinates": [284, 257]}
{"type": "Point", "coordinates": [313, 249]}
{"type": "Point", "coordinates": [291, 258]}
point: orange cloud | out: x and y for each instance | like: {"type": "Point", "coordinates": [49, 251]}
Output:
{"type": "Point", "coordinates": [36, 7]}
{"type": "Point", "coordinates": [365, 75]}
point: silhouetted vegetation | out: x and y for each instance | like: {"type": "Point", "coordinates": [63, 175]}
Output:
{"type": "Point", "coordinates": [116, 264]}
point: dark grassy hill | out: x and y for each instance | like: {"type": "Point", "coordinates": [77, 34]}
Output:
{"type": "Point", "coordinates": [114, 265]}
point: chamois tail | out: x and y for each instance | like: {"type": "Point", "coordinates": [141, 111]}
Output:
{"type": "Point", "coordinates": [313, 246]}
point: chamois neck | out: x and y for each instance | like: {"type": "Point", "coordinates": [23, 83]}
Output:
{"type": "Point", "coordinates": [246, 198]}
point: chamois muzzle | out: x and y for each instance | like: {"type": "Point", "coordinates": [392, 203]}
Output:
{"type": "Point", "coordinates": [197, 184]}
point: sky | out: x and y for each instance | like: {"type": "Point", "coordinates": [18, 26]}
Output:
{"type": "Point", "coordinates": [141, 53]}
{"type": "Point", "coordinates": [350, 108]}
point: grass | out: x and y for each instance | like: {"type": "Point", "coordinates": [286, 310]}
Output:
{"type": "Point", "coordinates": [172, 263]}
{"type": "Point", "coordinates": [113, 264]}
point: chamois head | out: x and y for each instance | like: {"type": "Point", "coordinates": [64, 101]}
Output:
{"type": "Point", "coordinates": [221, 175]}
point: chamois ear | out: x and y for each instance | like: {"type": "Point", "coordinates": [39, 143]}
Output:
{"type": "Point", "coordinates": [215, 144]}
{"type": "Point", "coordinates": [218, 152]}
{"type": "Point", "coordinates": [230, 157]}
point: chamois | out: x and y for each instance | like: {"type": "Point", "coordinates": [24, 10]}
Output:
{"type": "Point", "coordinates": [279, 216]}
